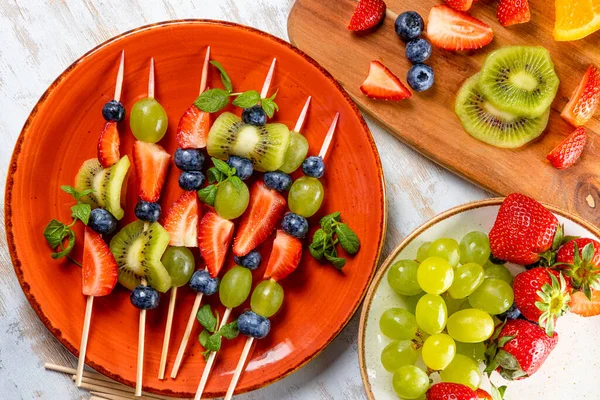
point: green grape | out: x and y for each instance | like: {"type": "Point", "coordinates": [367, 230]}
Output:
{"type": "Point", "coordinates": [267, 298]}
{"type": "Point", "coordinates": [469, 326]}
{"type": "Point", "coordinates": [398, 324]}
{"type": "Point", "coordinates": [410, 302]}
{"type": "Point", "coordinates": [474, 248]}
{"type": "Point", "coordinates": [179, 262]}
{"type": "Point", "coordinates": [397, 354]}
{"type": "Point", "coordinates": [148, 120]}
{"type": "Point", "coordinates": [497, 271]}
{"type": "Point", "coordinates": [231, 202]}
{"type": "Point", "coordinates": [422, 252]}
{"type": "Point", "coordinates": [305, 196]}
{"type": "Point", "coordinates": [235, 286]}
{"type": "Point", "coordinates": [295, 153]}
{"type": "Point", "coordinates": [494, 296]}
{"type": "Point", "coordinates": [410, 382]}
{"type": "Point", "coordinates": [435, 275]}
{"type": "Point", "coordinates": [463, 370]}
{"type": "Point", "coordinates": [467, 278]}
{"type": "Point", "coordinates": [446, 249]}
{"type": "Point", "coordinates": [431, 313]}
{"type": "Point", "coordinates": [402, 277]}
{"type": "Point", "coordinates": [475, 351]}
{"type": "Point", "coordinates": [438, 351]}
{"type": "Point", "coordinates": [454, 305]}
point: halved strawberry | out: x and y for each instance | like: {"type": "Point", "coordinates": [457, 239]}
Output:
{"type": "Point", "coordinates": [367, 14]}
{"type": "Point", "coordinates": [382, 84]}
{"type": "Point", "coordinates": [483, 395]}
{"type": "Point", "coordinates": [584, 100]}
{"type": "Point", "coordinates": [264, 213]}
{"type": "Point", "coordinates": [580, 304]}
{"type": "Point", "coordinates": [460, 5]}
{"type": "Point", "coordinates": [181, 221]}
{"type": "Point", "coordinates": [511, 12]}
{"type": "Point", "coordinates": [583, 266]}
{"type": "Point", "coordinates": [108, 145]}
{"type": "Point", "coordinates": [454, 30]}
{"type": "Point", "coordinates": [193, 128]}
{"type": "Point", "coordinates": [569, 150]}
{"type": "Point", "coordinates": [450, 391]}
{"type": "Point", "coordinates": [214, 238]}
{"type": "Point", "coordinates": [285, 256]}
{"type": "Point", "coordinates": [151, 166]}
{"type": "Point", "coordinates": [99, 268]}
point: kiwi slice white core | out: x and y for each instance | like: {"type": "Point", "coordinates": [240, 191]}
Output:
{"type": "Point", "coordinates": [246, 141]}
{"type": "Point", "coordinates": [523, 80]}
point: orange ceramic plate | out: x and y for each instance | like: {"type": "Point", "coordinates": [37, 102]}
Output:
{"type": "Point", "coordinates": [62, 132]}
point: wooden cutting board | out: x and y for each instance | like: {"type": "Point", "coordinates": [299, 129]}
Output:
{"type": "Point", "coordinates": [427, 121]}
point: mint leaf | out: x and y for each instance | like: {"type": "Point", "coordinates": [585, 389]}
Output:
{"type": "Point", "coordinates": [332, 256]}
{"type": "Point", "coordinates": [347, 238]}
{"type": "Point", "coordinates": [237, 183]}
{"type": "Point", "coordinates": [224, 76]}
{"type": "Point", "coordinates": [66, 250]}
{"type": "Point", "coordinates": [71, 190]}
{"type": "Point", "coordinates": [203, 337]}
{"type": "Point", "coordinates": [317, 247]}
{"type": "Point", "coordinates": [212, 100]}
{"type": "Point", "coordinates": [247, 99]}
{"type": "Point", "coordinates": [222, 166]}
{"type": "Point", "coordinates": [329, 221]}
{"type": "Point", "coordinates": [214, 175]}
{"type": "Point", "coordinates": [207, 319]}
{"type": "Point", "coordinates": [207, 194]}
{"type": "Point", "coordinates": [55, 232]}
{"type": "Point", "coordinates": [269, 106]}
{"type": "Point", "coordinates": [81, 211]}
{"type": "Point", "coordinates": [229, 331]}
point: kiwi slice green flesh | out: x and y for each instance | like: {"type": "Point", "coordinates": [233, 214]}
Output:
{"type": "Point", "coordinates": [520, 80]}
{"type": "Point", "coordinates": [138, 253]}
{"type": "Point", "coordinates": [223, 134]}
{"type": "Point", "coordinates": [90, 176]}
{"type": "Point", "coordinates": [113, 187]}
{"type": "Point", "coordinates": [485, 122]}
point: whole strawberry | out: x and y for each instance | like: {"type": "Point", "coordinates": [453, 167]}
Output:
{"type": "Point", "coordinates": [450, 391]}
{"type": "Point", "coordinates": [580, 259]}
{"type": "Point", "coordinates": [523, 230]}
{"type": "Point", "coordinates": [542, 295]}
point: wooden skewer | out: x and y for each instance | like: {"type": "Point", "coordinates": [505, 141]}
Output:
{"type": "Point", "coordinates": [117, 386]}
{"type": "Point", "coordinates": [239, 368]}
{"type": "Point", "coordinates": [265, 89]}
{"type": "Point", "coordinates": [302, 116]}
{"type": "Point", "coordinates": [167, 337]}
{"type": "Point", "coordinates": [94, 397]}
{"type": "Point", "coordinates": [205, 71]}
{"type": "Point", "coordinates": [84, 339]}
{"type": "Point", "coordinates": [112, 396]}
{"type": "Point", "coordinates": [186, 335]}
{"type": "Point", "coordinates": [151, 79]}
{"type": "Point", "coordinates": [327, 141]}
{"type": "Point", "coordinates": [140, 356]}
{"type": "Point", "coordinates": [390, 14]}
{"type": "Point", "coordinates": [73, 371]}
{"type": "Point", "coordinates": [120, 74]}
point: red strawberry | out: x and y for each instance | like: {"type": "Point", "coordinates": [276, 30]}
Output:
{"type": "Point", "coordinates": [264, 213]}
{"type": "Point", "coordinates": [460, 5]}
{"type": "Point", "coordinates": [108, 145]}
{"type": "Point", "coordinates": [483, 395]}
{"type": "Point", "coordinates": [542, 295]}
{"type": "Point", "coordinates": [450, 391]}
{"type": "Point", "coordinates": [584, 99]}
{"type": "Point", "coordinates": [454, 30]}
{"type": "Point", "coordinates": [99, 268]}
{"type": "Point", "coordinates": [151, 165]}
{"type": "Point", "coordinates": [382, 84]}
{"type": "Point", "coordinates": [367, 14]}
{"type": "Point", "coordinates": [569, 150]}
{"type": "Point", "coordinates": [583, 266]}
{"type": "Point", "coordinates": [511, 12]}
{"type": "Point", "coordinates": [193, 128]}
{"type": "Point", "coordinates": [181, 221]}
{"type": "Point", "coordinates": [285, 256]}
{"type": "Point", "coordinates": [580, 304]}
{"type": "Point", "coordinates": [523, 230]}
{"type": "Point", "coordinates": [214, 238]}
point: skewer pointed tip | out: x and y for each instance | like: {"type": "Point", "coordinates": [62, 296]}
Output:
{"type": "Point", "coordinates": [265, 89]}
{"type": "Point", "coordinates": [151, 79]}
{"type": "Point", "coordinates": [302, 116]}
{"type": "Point", "coordinates": [120, 74]}
{"type": "Point", "coordinates": [205, 71]}
{"type": "Point", "coordinates": [329, 136]}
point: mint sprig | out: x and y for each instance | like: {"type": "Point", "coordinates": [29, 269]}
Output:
{"type": "Point", "coordinates": [332, 232]}
{"type": "Point", "coordinates": [210, 338]}
{"type": "Point", "coordinates": [218, 175]}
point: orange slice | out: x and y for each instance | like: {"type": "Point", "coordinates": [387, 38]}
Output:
{"type": "Point", "coordinates": [575, 19]}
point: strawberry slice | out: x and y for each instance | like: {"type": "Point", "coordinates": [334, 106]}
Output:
{"type": "Point", "coordinates": [483, 395]}
{"type": "Point", "coordinates": [182, 219]}
{"type": "Point", "coordinates": [382, 84]}
{"type": "Point", "coordinates": [511, 12]}
{"type": "Point", "coordinates": [580, 304]}
{"type": "Point", "coordinates": [99, 268]}
{"type": "Point", "coordinates": [569, 150]}
{"type": "Point", "coordinates": [285, 256]}
{"type": "Point", "coordinates": [264, 213]}
{"type": "Point", "coordinates": [151, 165]}
{"type": "Point", "coordinates": [460, 5]}
{"type": "Point", "coordinates": [214, 238]}
{"type": "Point", "coordinates": [454, 30]}
{"type": "Point", "coordinates": [108, 145]}
{"type": "Point", "coordinates": [367, 14]}
{"type": "Point", "coordinates": [193, 128]}
{"type": "Point", "coordinates": [584, 100]}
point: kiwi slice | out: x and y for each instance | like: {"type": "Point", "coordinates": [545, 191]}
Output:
{"type": "Point", "coordinates": [90, 176]}
{"type": "Point", "coordinates": [114, 187]}
{"type": "Point", "coordinates": [138, 252]}
{"type": "Point", "coordinates": [485, 122]}
{"type": "Point", "coordinates": [520, 80]}
{"type": "Point", "coordinates": [223, 134]}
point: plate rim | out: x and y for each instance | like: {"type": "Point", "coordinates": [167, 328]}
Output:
{"type": "Point", "coordinates": [10, 181]}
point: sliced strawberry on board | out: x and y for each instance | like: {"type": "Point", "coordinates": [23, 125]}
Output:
{"type": "Point", "coordinates": [367, 14]}
{"type": "Point", "coordinates": [511, 12]}
{"type": "Point", "coordinates": [181, 221]}
{"type": "Point", "coordinates": [580, 304]}
{"type": "Point", "coordinates": [285, 256]}
{"type": "Point", "coordinates": [454, 30]}
{"type": "Point", "coordinates": [151, 166]}
{"type": "Point", "coordinates": [460, 5]}
{"type": "Point", "coordinates": [260, 220]}
{"type": "Point", "coordinates": [483, 395]}
{"type": "Point", "coordinates": [193, 128]}
{"type": "Point", "coordinates": [108, 145]}
{"type": "Point", "coordinates": [584, 100]}
{"type": "Point", "coordinates": [569, 150]}
{"type": "Point", "coordinates": [214, 238]}
{"type": "Point", "coordinates": [382, 84]}
{"type": "Point", "coordinates": [450, 391]}
{"type": "Point", "coordinates": [99, 268]}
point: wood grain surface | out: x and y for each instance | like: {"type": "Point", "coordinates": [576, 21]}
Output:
{"type": "Point", "coordinates": [427, 121]}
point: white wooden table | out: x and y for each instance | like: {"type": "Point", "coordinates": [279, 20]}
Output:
{"type": "Point", "coordinates": [38, 40]}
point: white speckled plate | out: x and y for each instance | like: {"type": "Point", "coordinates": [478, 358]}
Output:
{"type": "Point", "coordinates": [571, 371]}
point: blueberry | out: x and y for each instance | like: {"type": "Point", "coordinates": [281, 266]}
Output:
{"type": "Point", "coordinates": [243, 166]}
{"type": "Point", "coordinates": [202, 282]}
{"type": "Point", "coordinates": [189, 159]}
{"type": "Point", "coordinates": [512, 313]}
{"type": "Point", "coordinates": [278, 180]}
{"type": "Point", "coordinates": [254, 115]}
{"type": "Point", "coordinates": [113, 111]}
{"type": "Point", "coordinates": [313, 166]}
{"type": "Point", "coordinates": [102, 221]}
{"type": "Point", "coordinates": [294, 225]}
{"type": "Point", "coordinates": [254, 325]}
{"type": "Point", "coordinates": [495, 260]}
{"type": "Point", "coordinates": [251, 260]}
{"type": "Point", "coordinates": [147, 211]}
{"type": "Point", "coordinates": [191, 180]}
{"type": "Point", "coordinates": [420, 77]}
{"type": "Point", "coordinates": [144, 297]}
{"type": "Point", "coordinates": [409, 25]}
{"type": "Point", "coordinates": [418, 50]}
